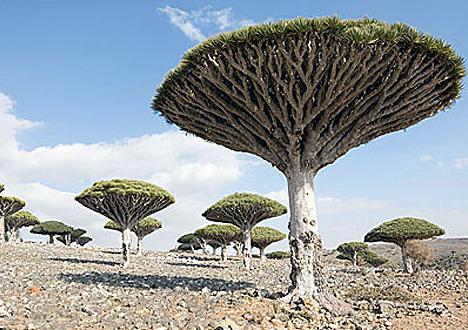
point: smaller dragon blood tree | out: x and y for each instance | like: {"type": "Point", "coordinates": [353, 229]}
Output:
{"type": "Point", "coordinates": [223, 234]}
{"type": "Point", "coordinates": [262, 237]}
{"type": "Point", "coordinates": [400, 231]}
{"type": "Point", "coordinates": [18, 220]}
{"type": "Point", "coordinates": [8, 206]}
{"type": "Point", "coordinates": [350, 251]}
{"type": "Point", "coordinates": [143, 228]}
{"type": "Point", "coordinates": [72, 237]}
{"type": "Point", "coordinates": [51, 228]}
{"type": "Point", "coordinates": [125, 202]}
{"type": "Point", "coordinates": [244, 210]}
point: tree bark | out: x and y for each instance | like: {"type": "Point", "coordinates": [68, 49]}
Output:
{"type": "Point", "coordinates": [214, 251]}
{"type": "Point", "coordinates": [262, 254]}
{"type": "Point", "coordinates": [407, 260]}
{"type": "Point", "coordinates": [247, 252]}
{"type": "Point", "coordinates": [67, 239]}
{"type": "Point", "coordinates": [238, 248]}
{"type": "Point", "coordinates": [127, 239]}
{"type": "Point", "coordinates": [223, 253]}
{"type": "Point", "coordinates": [355, 260]}
{"type": "Point", "coordinates": [304, 240]}
{"type": "Point", "coordinates": [51, 239]}
{"type": "Point", "coordinates": [2, 230]}
{"type": "Point", "coordinates": [139, 246]}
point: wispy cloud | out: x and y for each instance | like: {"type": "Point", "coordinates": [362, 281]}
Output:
{"type": "Point", "coordinates": [197, 24]}
{"type": "Point", "coordinates": [461, 163]}
{"type": "Point", "coordinates": [426, 158]}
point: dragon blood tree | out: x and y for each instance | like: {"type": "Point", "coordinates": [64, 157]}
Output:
{"type": "Point", "coordinates": [245, 211]}
{"type": "Point", "coordinates": [83, 240]}
{"type": "Point", "coordinates": [189, 241]}
{"type": "Point", "coordinates": [8, 206]}
{"type": "Point", "coordinates": [400, 232]}
{"type": "Point", "coordinates": [143, 228]}
{"type": "Point", "coordinates": [262, 237]}
{"type": "Point", "coordinates": [223, 234]}
{"type": "Point", "coordinates": [300, 94]}
{"type": "Point", "coordinates": [350, 251]}
{"type": "Point", "coordinates": [125, 202]}
{"type": "Point", "coordinates": [72, 237]}
{"type": "Point", "coordinates": [51, 228]}
{"type": "Point", "coordinates": [19, 220]}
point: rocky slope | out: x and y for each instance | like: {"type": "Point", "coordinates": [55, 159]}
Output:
{"type": "Point", "coordinates": [51, 287]}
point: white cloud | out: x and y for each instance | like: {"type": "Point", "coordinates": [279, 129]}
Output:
{"type": "Point", "coordinates": [461, 163]}
{"type": "Point", "coordinates": [48, 178]}
{"type": "Point", "coordinates": [426, 158]}
{"type": "Point", "coordinates": [192, 23]}
{"type": "Point", "coordinates": [333, 205]}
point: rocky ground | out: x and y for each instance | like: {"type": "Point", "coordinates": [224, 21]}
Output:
{"type": "Point", "coordinates": [51, 287]}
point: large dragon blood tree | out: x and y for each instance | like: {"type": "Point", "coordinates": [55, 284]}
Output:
{"type": "Point", "coordinates": [300, 94]}
{"type": "Point", "coordinates": [125, 202]}
{"type": "Point", "coordinates": [18, 220]}
{"type": "Point", "coordinates": [244, 210]}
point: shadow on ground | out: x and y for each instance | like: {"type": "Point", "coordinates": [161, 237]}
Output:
{"type": "Point", "coordinates": [86, 261]}
{"type": "Point", "coordinates": [188, 264]}
{"type": "Point", "coordinates": [154, 281]}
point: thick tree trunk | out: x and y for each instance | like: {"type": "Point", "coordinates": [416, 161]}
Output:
{"type": "Point", "coordinates": [51, 239]}
{"type": "Point", "coordinates": [247, 252]}
{"type": "Point", "coordinates": [262, 254]}
{"type": "Point", "coordinates": [408, 265]}
{"type": "Point", "coordinates": [355, 265]}
{"type": "Point", "coordinates": [238, 248]}
{"type": "Point", "coordinates": [68, 239]}
{"type": "Point", "coordinates": [214, 251]}
{"type": "Point", "coordinates": [139, 246]}
{"type": "Point", "coordinates": [223, 253]}
{"type": "Point", "coordinates": [2, 230]}
{"type": "Point", "coordinates": [127, 240]}
{"type": "Point", "coordinates": [304, 240]}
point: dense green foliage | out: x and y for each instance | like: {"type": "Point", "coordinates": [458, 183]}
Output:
{"type": "Point", "coordinates": [10, 205]}
{"type": "Point", "coordinates": [51, 228]}
{"type": "Point", "coordinates": [223, 234]}
{"type": "Point", "coordinates": [372, 258]}
{"type": "Point", "coordinates": [349, 249]}
{"type": "Point", "coordinates": [143, 227]}
{"type": "Point", "coordinates": [187, 238]}
{"type": "Point", "coordinates": [74, 236]}
{"type": "Point", "coordinates": [362, 31]}
{"type": "Point", "coordinates": [124, 187]}
{"type": "Point", "coordinates": [278, 255]}
{"type": "Point", "coordinates": [21, 219]}
{"type": "Point", "coordinates": [399, 231]}
{"type": "Point", "coordinates": [264, 236]}
{"type": "Point", "coordinates": [83, 240]}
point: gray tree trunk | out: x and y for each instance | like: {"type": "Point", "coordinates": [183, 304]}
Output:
{"type": "Point", "coordinates": [408, 265]}
{"type": "Point", "coordinates": [126, 245]}
{"type": "Point", "coordinates": [139, 246]}
{"type": "Point", "coordinates": [304, 239]}
{"type": "Point", "coordinates": [262, 254]}
{"type": "Point", "coordinates": [67, 239]}
{"type": "Point", "coordinates": [238, 248]}
{"type": "Point", "coordinates": [355, 260]}
{"type": "Point", "coordinates": [223, 253]}
{"type": "Point", "coordinates": [214, 251]}
{"type": "Point", "coordinates": [2, 230]}
{"type": "Point", "coordinates": [51, 239]}
{"type": "Point", "coordinates": [247, 252]}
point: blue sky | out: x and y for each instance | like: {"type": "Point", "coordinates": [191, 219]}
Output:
{"type": "Point", "coordinates": [77, 78]}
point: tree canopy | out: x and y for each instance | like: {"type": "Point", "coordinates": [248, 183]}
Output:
{"type": "Point", "coordinates": [125, 201]}
{"type": "Point", "coordinates": [10, 205]}
{"type": "Point", "coordinates": [51, 227]}
{"type": "Point", "coordinates": [142, 228]}
{"type": "Point", "coordinates": [264, 236]}
{"type": "Point", "coordinates": [20, 219]}
{"type": "Point", "coordinates": [244, 208]}
{"type": "Point", "coordinates": [223, 234]}
{"type": "Point", "coordinates": [399, 231]}
{"type": "Point", "coordinates": [83, 240]}
{"type": "Point", "coordinates": [272, 88]}
{"type": "Point", "coordinates": [186, 238]}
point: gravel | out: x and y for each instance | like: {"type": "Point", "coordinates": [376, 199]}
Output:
{"type": "Point", "coordinates": [52, 287]}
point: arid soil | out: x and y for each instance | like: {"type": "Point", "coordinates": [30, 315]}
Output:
{"type": "Point", "coordinates": [52, 287]}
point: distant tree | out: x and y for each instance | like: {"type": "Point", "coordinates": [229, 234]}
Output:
{"type": "Point", "coordinates": [143, 228]}
{"type": "Point", "coordinates": [189, 242]}
{"type": "Point", "coordinates": [350, 251]}
{"type": "Point", "coordinates": [244, 210]}
{"type": "Point", "coordinates": [371, 258]}
{"type": "Point", "coordinates": [262, 237]}
{"type": "Point", "coordinates": [400, 232]}
{"type": "Point", "coordinates": [125, 202]}
{"type": "Point", "coordinates": [223, 234]}
{"type": "Point", "coordinates": [278, 255]}
{"type": "Point", "coordinates": [83, 240]}
{"type": "Point", "coordinates": [51, 228]}
{"type": "Point", "coordinates": [18, 220]}
{"type": "Point", "coordinates": [8, 206]}
{"type": "Point", "coordinates": [72, 237]}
